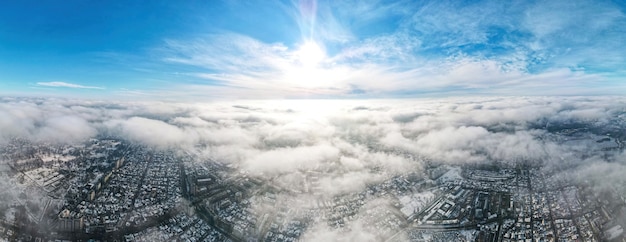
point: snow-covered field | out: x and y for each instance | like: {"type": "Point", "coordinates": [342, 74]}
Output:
{"type": "Point", "coordinates": [415, 202]}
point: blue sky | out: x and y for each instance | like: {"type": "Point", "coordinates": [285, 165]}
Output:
{"type": "Point", "coordinates": [192, 50]}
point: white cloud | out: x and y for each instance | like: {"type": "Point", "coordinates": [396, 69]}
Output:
{"type": "Point", "coordinates": [71, 129]}
{"type": "Point", "coordinates": [345, 145]}
{"type": "Point", "coordinates": [380, 66]}
{"type": "Point", "coordinates": [152, 132]}
{"type": "Point", "coordinates": [66, 84]}
{"type": "Point", "coordinates": [487, 47]}
{"type": "Point", "coordinates": [285, 160]}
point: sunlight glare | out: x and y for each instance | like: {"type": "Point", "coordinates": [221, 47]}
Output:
{"type": "Point", "coordinates": [310, 54]}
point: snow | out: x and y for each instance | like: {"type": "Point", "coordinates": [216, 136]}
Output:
{"type": "Point", "coordinates": [415, 202]}
{"type": "Point", "coordinates": [470, 235]}
{"type": "Point", "coordinates": [614, 232]}
{"type": "Point", "coordinates": [9, 215]}
{"type": "Point", "coordinates": [454, 174]}
{"type": "Point", "coordinates": [56, 157]}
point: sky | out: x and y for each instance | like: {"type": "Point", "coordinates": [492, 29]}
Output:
{"type": "Point", "coordinates": [198, 50]}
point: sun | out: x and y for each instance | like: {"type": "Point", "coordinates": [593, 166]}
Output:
{"type": "Point", "coordinates": [310, 54]}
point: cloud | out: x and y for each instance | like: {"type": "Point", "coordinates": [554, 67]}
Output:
{"type": "Point", "coordinates": [43, 122]}
{"type": "Point", "coordinates": [151, 132]}
{"type": "Point", "coordinates": [66, 84]}
{"type": "Point", "coordinates": [271, 70]}
{"type": "Point", "coordinates": [434, 47]}
{"type": "Point", "coordinates": [317, 150]}
{"type": "Point", "coordinates": [71, 129]}
{"type": "Point", "coordinates": [604, 176]}
{"type": "Point", "coordinates": [284, 160]}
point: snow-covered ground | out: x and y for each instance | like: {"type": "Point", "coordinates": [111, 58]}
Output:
{"type": "Point", "coordinates": [56, 157]}
{"type": "Point", "coordinates": [42, 176]}
{"type": "Point", "coordinates": [415, 202]}
{"type": "Point", "coordinates": [454, 174]}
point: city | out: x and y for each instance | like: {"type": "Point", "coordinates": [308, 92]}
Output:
{"type": "Point", "coordinates": [109, 189]}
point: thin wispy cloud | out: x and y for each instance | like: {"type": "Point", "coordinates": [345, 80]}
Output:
{"type": "Point", "coordinates": [437, 47]}
{"type": "Point", "coordinates": [362, 49]}
{"type": "Point", "coordinates": [66, 84]}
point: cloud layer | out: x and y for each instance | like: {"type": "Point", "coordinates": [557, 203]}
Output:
{"type": "Point", "coordinates": [347, 145]}
{"type": "Point", "coordinates": [280, 137]}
